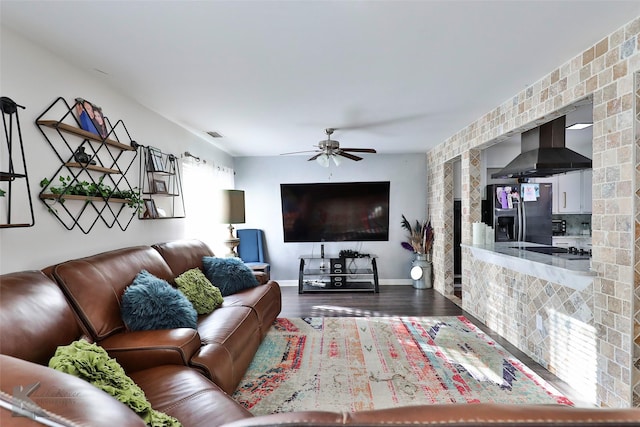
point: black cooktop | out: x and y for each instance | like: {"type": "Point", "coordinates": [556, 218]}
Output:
{"type": "Point", "coordinates": [549, 250]}
{"type": "Point", "coordinates": [571, 254]}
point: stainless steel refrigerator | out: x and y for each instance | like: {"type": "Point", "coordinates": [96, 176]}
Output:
{"type": "Point", "coordinates": [520, 212]}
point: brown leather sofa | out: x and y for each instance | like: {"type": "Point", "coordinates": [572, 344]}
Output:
{"type": "Point", "coordinates": [225, 341]}
{"type": "Point", "coordinates": [35, 319]}
{"type": "Point", "coordinates": [185, 373]}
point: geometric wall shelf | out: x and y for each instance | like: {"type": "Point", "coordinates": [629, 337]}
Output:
{"type": "Point", "coordinates": [91, 185]}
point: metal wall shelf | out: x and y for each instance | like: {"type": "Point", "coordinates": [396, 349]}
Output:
{"type": "Point", "coordinates": [15, 191]}
{"type": "Point", "coordinates": [109, 161]}
{"type": "Point", "coordinates": [160, 185]}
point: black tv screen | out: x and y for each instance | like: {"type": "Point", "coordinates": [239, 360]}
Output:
{"type": "Point", "coordinates": [334, 212]}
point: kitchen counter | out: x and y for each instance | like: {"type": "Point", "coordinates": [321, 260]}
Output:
{"type": "Point", "coordinates": [576, 274]}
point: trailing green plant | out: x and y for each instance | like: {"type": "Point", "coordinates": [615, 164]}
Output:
{"type": "Point", "coordinates": [131, 196]}
{"type": "Point", "coordinates": [2, 192]}
{"type": "Point", "coordinates": [92, 189]}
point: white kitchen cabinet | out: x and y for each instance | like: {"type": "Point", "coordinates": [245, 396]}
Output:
{"type": "Point", "coordinates": [569, 192]}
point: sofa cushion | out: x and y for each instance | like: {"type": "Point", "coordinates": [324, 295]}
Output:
{"type": "Point", "coordinates": [33, 310]}
{"type": "Point", "coordinates": [92, 363]}
{"type": "Point", "coordinates": [94, 285]}
{"type": "Point", "coordinates": [230, 337]}
{"type": "Point", "coordinates": [189, 396]}
{"type": "Point", "coordinates": [183, 255]}
{"type": "Point", "coordinates": [229, 274]}
{"type": "Point", "coordinates": [265, 301]}
{"type": "Point", "coordinates": [152, 303]}
{"type": "Point", "coordinates": [199, 291]}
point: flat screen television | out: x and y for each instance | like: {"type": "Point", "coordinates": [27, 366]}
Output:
{"type": "Point", "coordinates": [335, 212]}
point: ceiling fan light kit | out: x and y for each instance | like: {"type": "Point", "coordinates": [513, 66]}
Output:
{"type": "Point", "coordinates": [323, 160]}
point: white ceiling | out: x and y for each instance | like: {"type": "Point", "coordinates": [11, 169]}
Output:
{"type": "Point", "coordinates": [270, 76]}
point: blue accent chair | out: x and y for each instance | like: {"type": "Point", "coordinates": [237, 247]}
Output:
{"type": "Point", "coordinates": [251, 250]}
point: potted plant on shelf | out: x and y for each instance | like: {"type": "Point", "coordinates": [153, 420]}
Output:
{"type": "Point", "coordinates": [83, 188]}
{"type": "Point", "coordinates": [420, 243]}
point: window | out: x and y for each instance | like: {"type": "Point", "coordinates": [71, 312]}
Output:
{"type": "Point", "coordinates": [202, 184]}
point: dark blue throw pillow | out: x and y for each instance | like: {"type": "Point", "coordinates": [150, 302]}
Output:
{"type": "Point", "coordinates": [230, 275]}
{"type": "Point", "coordinates": [151, 303]}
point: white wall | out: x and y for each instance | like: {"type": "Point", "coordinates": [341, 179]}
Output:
{"type": "Point", "coordinates": [260, 178]}
{"type": "Point", "coordinates": [34, 78]}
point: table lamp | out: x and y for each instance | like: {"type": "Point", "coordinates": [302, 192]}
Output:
{"type": "Point", "coordinates": [232, 213]}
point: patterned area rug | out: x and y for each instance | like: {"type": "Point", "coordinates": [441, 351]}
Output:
{"type": "Point", "coordinates": [358, 363]}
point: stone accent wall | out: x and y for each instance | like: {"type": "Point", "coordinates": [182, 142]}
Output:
{"type": "Point", "coordinates": [440, 213]}
{"type": "Point", "coordinates": [471, 171]}
{"type": "Point", "coordinates": [636, 272]}
{"type": "Point", "coordinates": [604, 73]}
{"type": "Point", "coordinates": [447, 214]}
{"type": "Point", "coordinates": [551, 323]}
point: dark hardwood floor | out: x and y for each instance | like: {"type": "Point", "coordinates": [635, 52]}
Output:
{"type": "Point", "coordinates": [400, 300]}
{"type": "Point", "coordinates": [390, 301]}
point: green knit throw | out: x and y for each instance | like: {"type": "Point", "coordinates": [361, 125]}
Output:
{"type": "Point", "coordinates": [91, 363]}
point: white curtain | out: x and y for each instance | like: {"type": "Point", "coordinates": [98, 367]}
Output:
{"type": "Point", "coordinates": [203, 181]}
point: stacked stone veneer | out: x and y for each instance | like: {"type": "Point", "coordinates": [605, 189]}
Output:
{"type": "Point", "coordinates": [566, 341]}
{"type": "Point", "coordinates": [605, 316]}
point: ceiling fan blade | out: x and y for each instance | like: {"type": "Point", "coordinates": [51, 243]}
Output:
{"type": "Point", "coordinates": [299, 152]}
{"type": "Point", "coordinates": [360, 150]}
{"type": "Point", "coordinates": [348, 156]}
{"type": "Point", "coordinates": [316, 156]}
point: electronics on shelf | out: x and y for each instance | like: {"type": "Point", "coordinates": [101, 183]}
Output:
{"type": "Point", "coordinates": [348, 253]}
{"type": "Point", "coordinates": [338, 267]}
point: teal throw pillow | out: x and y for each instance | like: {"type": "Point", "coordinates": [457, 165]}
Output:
{"type": "Point", "coordinates": [91, 363]}
{"type": "Point", "coordinates": [198, 289]}
{"type": "Point", "coordinates": [230, 275]}
{"type": "Point", "coordinates": [151, 303]}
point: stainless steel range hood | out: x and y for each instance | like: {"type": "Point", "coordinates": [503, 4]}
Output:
{"type": "Point", "coordinates": [544, 154]}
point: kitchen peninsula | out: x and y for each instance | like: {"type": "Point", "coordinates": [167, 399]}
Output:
{"type": "Point", "coordinates": [564, 269]}
{"type": "Point", "coordinates": [543, 304]}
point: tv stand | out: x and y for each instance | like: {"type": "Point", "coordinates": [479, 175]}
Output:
{"type": "Point", "coordinates": [337, 274]}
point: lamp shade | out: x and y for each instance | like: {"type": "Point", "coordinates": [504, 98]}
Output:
{"type": "Point", "coordinates": [232, 207]}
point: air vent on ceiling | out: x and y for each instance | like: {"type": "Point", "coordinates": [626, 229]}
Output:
{"type": "Point", "coordinates": [214, 134]}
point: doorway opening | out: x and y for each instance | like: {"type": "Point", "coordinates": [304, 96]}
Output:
{"type": "Point", "coordinates": [457, 228]}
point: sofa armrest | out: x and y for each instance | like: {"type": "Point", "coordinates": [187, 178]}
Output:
{"type": "Point", "coordinates": [57, 396]}
{"type": "Point", "coordinates": [147, 349]}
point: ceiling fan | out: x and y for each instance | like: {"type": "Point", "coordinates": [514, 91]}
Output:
{"type": "Point", "coordinates": [329, 149]}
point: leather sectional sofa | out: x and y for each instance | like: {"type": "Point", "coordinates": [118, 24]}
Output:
{"type": "Point", "coordinates": [186, 373]}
